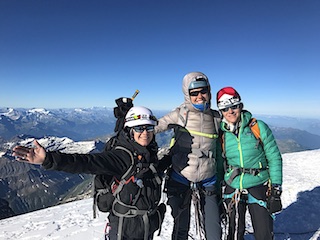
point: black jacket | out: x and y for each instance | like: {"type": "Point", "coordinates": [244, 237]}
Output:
{"type": "Point", "coordinates": [116, 162]}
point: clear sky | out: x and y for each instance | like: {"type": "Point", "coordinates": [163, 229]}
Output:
{"type": "Point", "coordinates": [76, 53]}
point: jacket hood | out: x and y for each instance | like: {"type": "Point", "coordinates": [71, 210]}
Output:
{"type": "Point", "coordinates": [187, 80]}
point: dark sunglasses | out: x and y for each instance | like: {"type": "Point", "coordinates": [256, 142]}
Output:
{"type": "Point", "coordinates": [196, 93]}
{"type": "Point", "coordinates": [232, 107]}
{"type": "Point", "coordinates": [141, 128]}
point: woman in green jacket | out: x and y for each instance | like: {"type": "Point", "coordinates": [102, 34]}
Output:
{"type": "Point", "coordinates": [253, 168]}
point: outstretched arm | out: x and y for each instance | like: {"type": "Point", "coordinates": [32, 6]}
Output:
{"type": "Point", "coordinates": [34, 155]}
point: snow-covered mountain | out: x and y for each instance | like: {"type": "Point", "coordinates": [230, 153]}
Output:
{"type": "Point", "coordinates": [299, 220]}
{"type": "Point", "coordinates": [25, 187]}
{"type": "Point", "coordinates": [77, 124]}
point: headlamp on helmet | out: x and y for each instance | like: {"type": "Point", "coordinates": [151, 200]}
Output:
{"type": "Point", "coordinates": [227, 97]}
{"type": "Point", "coordinates": [138, 116]}
{"type": "Point", "coordinates": [199, 82]}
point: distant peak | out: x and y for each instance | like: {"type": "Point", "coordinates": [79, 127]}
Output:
{"type": "Point", "coordinates": [39, 110]}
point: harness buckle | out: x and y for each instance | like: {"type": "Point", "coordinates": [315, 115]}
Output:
{"type": "Point", "coordinates": [193, 185]}
{"type": "Point", "coordinates": [244, 192]}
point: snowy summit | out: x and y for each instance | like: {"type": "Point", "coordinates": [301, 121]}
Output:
{"type": "Point", "coordinates": [299, 220]}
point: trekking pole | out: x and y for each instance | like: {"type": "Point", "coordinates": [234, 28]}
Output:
{"type": "Point", "coordinates": [135, 94]}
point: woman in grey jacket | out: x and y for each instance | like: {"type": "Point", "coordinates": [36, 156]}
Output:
{"type": "Point", "coordinates": [194, 165]}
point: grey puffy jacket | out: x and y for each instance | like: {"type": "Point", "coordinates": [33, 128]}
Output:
{"type": "Point", "coordinates": [194, 151]}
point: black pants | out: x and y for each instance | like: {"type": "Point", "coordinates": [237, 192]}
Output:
{"type": "Point", "coordinates": [113, 233]}
{"type": "Point", "coordinates": [179, 199]}
{"type": "Point", "coordinates": [262, 221]}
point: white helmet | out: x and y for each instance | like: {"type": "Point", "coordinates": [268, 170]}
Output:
{"type": "Point", "coordinates": [140, 116]}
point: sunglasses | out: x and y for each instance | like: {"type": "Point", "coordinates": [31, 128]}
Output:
{"type": "Point", "coordinates": [232, 107]}
{"type": "Point", "coordinates": [141, 128]}
{"type": "Point", "coordinates": [196, 93]}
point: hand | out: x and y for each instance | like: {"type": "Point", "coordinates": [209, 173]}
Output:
{"type": "Point", "coordinates": [276, 190]}
{"type": "Point", "coordinates": [34, 155]}
{"type": "Point", "coordinates": [274, 200]}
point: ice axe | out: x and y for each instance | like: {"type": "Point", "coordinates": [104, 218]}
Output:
{"type": "Point", "coordinates": [135, 94]}
{"type": "Point", "coordinates": [123, 105]}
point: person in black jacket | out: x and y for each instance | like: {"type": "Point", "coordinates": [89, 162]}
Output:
{"type": "Point", "coordinates": [137, 136]}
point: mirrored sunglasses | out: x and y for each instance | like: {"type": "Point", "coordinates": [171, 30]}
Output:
{"type": "Point", "coordinates": [141, 128]}
{"type": "Point", "coordinates": [234, 107]}
{"type": "Point", "coordinates": [196, 93]}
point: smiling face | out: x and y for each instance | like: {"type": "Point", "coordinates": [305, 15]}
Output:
{"type": "Point", "coordinates": [143, 135]}
{"type": "Point", "coordinates": [199, 95]}
{"type": "Point", "coordinates": [232, 114]}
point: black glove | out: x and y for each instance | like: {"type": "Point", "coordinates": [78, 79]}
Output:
{"type": "Point", "coordinates": [123, 106]}
{"type": "Point", "coordinates": [164, 163]}
{"type": "Point", "coordinates": [274, 200]}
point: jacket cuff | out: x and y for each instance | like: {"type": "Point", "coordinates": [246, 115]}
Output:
{"type": "Point", "coordinates": [48, 161]}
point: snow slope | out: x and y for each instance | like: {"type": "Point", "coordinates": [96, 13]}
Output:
{"type": "Point", "coordinates": [299, 220]}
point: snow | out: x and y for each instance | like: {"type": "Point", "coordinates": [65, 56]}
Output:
{"type": "Point", "coordinates": [8, 113]}
{"type": "Point", "coordinates": [63, 144]}
{"type": "Point", "coordinates": [299, 220]}
{"type": "Point", "coordinates": [39, 110]}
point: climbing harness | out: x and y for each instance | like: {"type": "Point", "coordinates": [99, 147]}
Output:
{"type": "Point", "coordinates": [199, 217]}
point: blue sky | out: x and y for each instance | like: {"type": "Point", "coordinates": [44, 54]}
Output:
{"type": "Point", "coordinates": [76, 53]}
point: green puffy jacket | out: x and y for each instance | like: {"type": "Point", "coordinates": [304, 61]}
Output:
{"type": "Point", "coordinates": [242, 151]}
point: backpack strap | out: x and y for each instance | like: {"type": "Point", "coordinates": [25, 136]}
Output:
{"type": "Point", "coordinates": [216, 120]}
{"type": "Point", "coordinates": [254, 127]}
{"type": "Point", "coordinates": [155, 173]}
{"type": "Point", "coordinates": [123, 179]}
{"type": "Point", "coordinates": [256, 131]}
{"type": "Point", "coordinates": [129, 211]}
{"type": "Point", "coordinates": [95, 199]}
{"type": "Point", "coordinates": [183, 115]}
{"type": "Point", "coordinates": [110, 145]}
{"type": "Point", "coordinates": [222, 138]}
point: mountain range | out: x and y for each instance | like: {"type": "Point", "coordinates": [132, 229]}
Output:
{"type": "Point", "coordinates": [26, 187]}
{"type": "Point", "coordinates": [77, 124]}
{"type": "Point", "coordinates": [295, 134]}
{"type": "Point", "coordinates": [311, 125]}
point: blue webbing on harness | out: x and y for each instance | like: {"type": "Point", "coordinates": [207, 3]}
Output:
{"type": "Point", "coordinates": [251, 199]}
{"type": "Point", "coordinates": [181, 179]}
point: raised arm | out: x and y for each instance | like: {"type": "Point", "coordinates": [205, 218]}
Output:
{"type": "Point", "coordinates": [35, 155]}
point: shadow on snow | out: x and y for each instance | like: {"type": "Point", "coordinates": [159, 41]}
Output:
{"type": "Point", "coordinates": [300, 220]}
